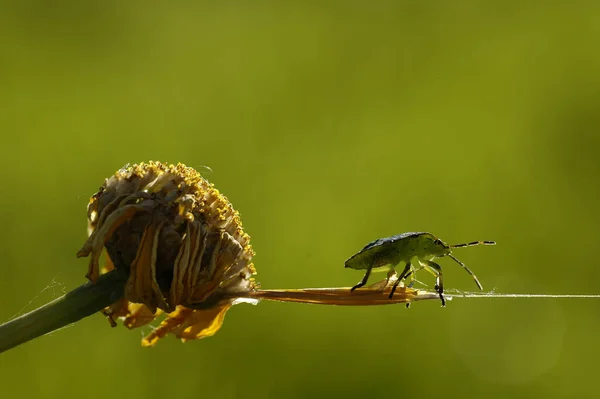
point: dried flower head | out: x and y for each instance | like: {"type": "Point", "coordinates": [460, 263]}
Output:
{"type": "Point", "coordinates": [180, 242]}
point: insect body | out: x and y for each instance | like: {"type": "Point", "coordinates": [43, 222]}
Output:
{"type": "Point", "coordinates": [415, 250]}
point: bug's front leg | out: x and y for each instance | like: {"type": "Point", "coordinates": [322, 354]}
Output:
{"type": "Point", "coordinates": [439, 283]}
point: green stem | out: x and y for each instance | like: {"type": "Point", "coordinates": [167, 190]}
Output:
{"type": "Point", "coordinates": [69, 308]}
{"type": "Point", "coordinates": [91, 298]}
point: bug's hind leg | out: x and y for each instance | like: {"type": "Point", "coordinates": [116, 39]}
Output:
{"type": "Point", "coordinates": [411, 284]}
{"type": "Point", "coordinates": [364, 279]}
{"type": "Point", "coordinates": [402, 275]}
{"type": "Point", "coordinates": [436, 269]}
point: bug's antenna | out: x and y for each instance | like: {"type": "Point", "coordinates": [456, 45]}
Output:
{"type": "Point", "coordinates": [472, 244]}
{"type": "Point", "coordinates": [467, 269]}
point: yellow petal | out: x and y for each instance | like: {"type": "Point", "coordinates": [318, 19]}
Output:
{"type": "Point", "coordinates": [188, 324]}
{"type": "Point", "coordinates": [139, 315]}
{"type": "Point", "coordinates": [207, 323]}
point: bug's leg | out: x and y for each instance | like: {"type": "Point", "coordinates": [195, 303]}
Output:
{"type": "Point", "coordinates": [364, 279]}
{"type": "Point", "coordinates": [402, 275]}
{"type": "Point", "coordinates": [411, 284]}
{"type": "Point", "coordinates": [413, 280]}
{"type": "Point", "coordinates": [439, 284]}
{"type": "Point", "coordinates": [412, 275]}
{"type": "Point", "coordinates": [390, 274]}
{"type": "Point", "coordinates": [468, 270]}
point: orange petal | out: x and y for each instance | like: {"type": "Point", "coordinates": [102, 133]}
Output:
{"type": "Point", "coordinates": [188, 324]}
{"type": "Point", "coordinates": [172, 321]}
{"type": "Point", "coordinates": [139, 315]}
{"type": "Point", "coordinates": [206, 323]}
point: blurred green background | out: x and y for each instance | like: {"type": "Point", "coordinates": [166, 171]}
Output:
{"type": "Point", "coordinates": [327, 125]}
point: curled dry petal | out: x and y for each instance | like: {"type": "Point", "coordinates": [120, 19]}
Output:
{"type": "Point", "coordinates": [180, 242]}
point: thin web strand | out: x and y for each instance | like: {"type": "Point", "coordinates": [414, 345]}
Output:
{"type": "Point", "coordinates": [53, 285]}
{"type": "Point", "coordinates": [493, 294]}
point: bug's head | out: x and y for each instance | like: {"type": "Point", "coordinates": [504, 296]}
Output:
{"type": "Point", "coordinates": [439, 248]}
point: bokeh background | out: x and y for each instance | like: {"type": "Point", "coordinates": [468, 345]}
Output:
{"type": "Point", "coordinates": [327, 125]}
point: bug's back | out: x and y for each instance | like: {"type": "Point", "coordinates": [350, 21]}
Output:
{"type": "Point", "coordinates": [386, 252]}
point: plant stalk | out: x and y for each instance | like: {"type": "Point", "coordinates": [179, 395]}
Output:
{"type": "Point", "coordinates": [83, 301]}
{"type": "Point", "coordinates": [109, 288]}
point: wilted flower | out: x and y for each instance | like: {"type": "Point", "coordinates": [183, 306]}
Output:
{"type": "Point", "coordinates": [180, 242]}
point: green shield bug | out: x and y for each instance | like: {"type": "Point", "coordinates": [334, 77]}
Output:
{"type": "Point", "coordinates": [412, 249]}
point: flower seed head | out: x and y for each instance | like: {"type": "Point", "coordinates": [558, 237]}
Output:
{"type": "Point", "coordinates": [177, 238]}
